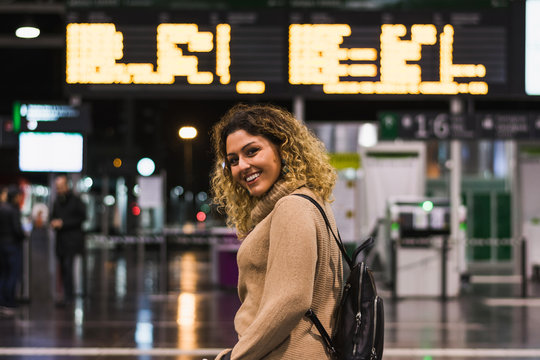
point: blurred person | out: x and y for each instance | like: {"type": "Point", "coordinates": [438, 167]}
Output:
{"type": "Point", "coordinates": [40, 215]}
{"type": "Point", "coordinates": [11, 237]}
{"type": "Point", "coordinates": [288, 262]}
{"type": "Point", "coordinates": [3, 194]}
{"type": "Point", "coordinates": [67, 217]}
{"type": "Point", "coordinates": [40, 263]}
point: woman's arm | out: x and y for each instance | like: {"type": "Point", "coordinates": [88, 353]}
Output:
{"type": "Point", "coordinates": [288, 286]}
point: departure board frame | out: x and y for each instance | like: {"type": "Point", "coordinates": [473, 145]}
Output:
{"type": "Point", "coordinates": [262, 52]}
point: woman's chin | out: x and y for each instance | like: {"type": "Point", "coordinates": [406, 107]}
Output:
{"type": "Point", "coordinates": [255, 191]}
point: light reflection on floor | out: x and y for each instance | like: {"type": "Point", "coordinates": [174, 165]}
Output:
{"type": "Point", "coordinates": [125, 310]}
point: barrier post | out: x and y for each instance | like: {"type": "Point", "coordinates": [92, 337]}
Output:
{"type": "Point", "coordinates": [523, 267]}
{"type": "Point", "coordinates": [163, 265]}
{"type": "Point", "coordinates": [394, 268]}
{"type": "Point", "coordinates": [444, 254]}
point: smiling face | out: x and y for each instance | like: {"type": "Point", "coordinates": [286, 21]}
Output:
{"type": "Point", "coordinates": [254, 161]}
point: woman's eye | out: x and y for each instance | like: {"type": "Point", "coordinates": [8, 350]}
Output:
{"type": "Point", "coordinates": [233, 161]}
{"type": "Point", "coordinates": [252, 151]}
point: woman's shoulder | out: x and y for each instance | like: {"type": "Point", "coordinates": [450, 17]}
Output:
{"type": "Point", "coordinates": [295, 213]}
{"type": "Point", "coordinates": [295, 202]}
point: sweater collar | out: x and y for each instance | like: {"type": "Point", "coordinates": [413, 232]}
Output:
{"type": "Point", "coordinates": [267, 202]}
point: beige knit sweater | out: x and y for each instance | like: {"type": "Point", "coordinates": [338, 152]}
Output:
{"type": "Point", "coordinates": [287, 264]}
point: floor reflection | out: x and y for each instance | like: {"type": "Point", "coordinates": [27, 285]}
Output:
{"type": "Point", "coordinates": [188, 274]}
{"type": "Point", "coordinates": [187, 335]}
{"type": "Point", "coordinates": [187, 304]}
{"type": "Point", "coordinates": [125, 308]}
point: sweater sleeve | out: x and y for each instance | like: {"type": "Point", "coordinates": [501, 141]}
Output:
{"type": "Point", "coordinates": [288, 287]}
{"type": "Point", "coordinates": [223, 354]}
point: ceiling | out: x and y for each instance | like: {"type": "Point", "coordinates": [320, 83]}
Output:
{"type": "Point", "coordinates": [47, 15]}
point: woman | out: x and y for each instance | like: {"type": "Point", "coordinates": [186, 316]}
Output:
{"type": "Point", "coordinates": [287, 261]}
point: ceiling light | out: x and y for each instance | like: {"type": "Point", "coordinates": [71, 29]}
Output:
{"type": "Point", "coordinates": [28, 30]}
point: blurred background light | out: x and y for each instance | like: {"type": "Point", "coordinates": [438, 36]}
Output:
{"type": "Point", "coordinates": [201, 216]}
{"type": "Point", "coordinates": [177, 190]}
{"type": "Point", "coordinates": [117, 162]}
{"type": "Point", "coordinates": [368, 135]}
{"type": "Point", "coordinates": [109, 200]}
{"type": "Point", "coordinates": [187, 132]}
{"type": "Point", "coordinates": [146, 166]}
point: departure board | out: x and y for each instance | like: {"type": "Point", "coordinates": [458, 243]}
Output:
{"type": "Point", "coordinates": [287, 53]}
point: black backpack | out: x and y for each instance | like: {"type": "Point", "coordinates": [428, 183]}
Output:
{"type": "Point", "coordinates": [359, 328]}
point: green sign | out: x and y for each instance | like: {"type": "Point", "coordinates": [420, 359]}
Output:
{"type": "Point", "coordinates": [388, 125]}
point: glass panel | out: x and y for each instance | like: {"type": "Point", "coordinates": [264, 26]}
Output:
{"type": "Point", "coordinates": [481, 219]}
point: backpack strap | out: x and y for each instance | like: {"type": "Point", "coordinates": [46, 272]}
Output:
{"type": "Point", "coordinates": [310, 313]}
{"type": "Point", "coordinates": [368, 242]}
{"type": "Point", "coordinates": [326, 338]}
{"type": "Point", "coordinates": [338, 237]}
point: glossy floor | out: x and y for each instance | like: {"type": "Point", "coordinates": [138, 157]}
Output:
{"type": "Point", "coordinates": [136, 309]}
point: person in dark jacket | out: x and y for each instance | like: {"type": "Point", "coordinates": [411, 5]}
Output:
{"type": "Point", "coordinates": [68, 214]}
{"type": "Point", "coordinates": [11, 237]}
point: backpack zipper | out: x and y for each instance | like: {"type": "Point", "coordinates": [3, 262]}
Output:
{"type": "Point", "coordinates": [358, 322]}
{"type": "Point", "coordinates": [361, 286]}
{"type": "Point", "coordinates": [373, 352]}
{"type": "Point", "coordinates": [345, 291]}
{"type": "Point", "coordinates": [359, 313]}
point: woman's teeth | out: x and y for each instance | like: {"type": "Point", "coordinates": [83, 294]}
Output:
{"type": "Point", "coordinates": [252, 177]}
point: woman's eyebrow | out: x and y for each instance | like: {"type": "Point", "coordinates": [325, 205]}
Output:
{"type": "Point", "coordinates": [243, 147]}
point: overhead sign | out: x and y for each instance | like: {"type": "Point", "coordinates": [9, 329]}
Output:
{"type": "Point", "coordinates": [419, 125]}
{"type": "Point", "coordinates": [51, 117]}
{"type": "Point", "coordinates": [519, 126]}
{"type": "Point", "coordinates": [288, 53]}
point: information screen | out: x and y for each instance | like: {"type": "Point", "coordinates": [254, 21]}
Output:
{"type": "Point", "coordinates": [50, 152]}
{"type": "Point", "coordinates": [278, 52]}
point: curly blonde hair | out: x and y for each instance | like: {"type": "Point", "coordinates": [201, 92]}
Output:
{"type": "Point", "coordinates": [303, 153]}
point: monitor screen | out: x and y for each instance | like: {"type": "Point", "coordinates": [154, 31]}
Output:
{"type": "Point", "coordinates": [50, 152]}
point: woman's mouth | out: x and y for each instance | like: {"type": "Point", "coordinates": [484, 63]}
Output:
{"type": "Point", "coordinates": [251, 178]}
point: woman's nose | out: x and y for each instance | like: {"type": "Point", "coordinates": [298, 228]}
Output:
{"type": "Point", "coordinates": [242, 163]}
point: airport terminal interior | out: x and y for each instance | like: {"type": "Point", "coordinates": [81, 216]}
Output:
{"type": "Point", "coordinates": [429, 112]}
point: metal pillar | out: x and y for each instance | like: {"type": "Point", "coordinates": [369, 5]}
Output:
{"type": "Point", "coordinates": [519, 241]}
{"type": "Point", "coordinates": [456, 108]}
{"type": "Point", "coordinates": [298, 108]}
{"type": "Point", "coordinates": [523, 256]}
{"type": "Point", "coordinates": [455, 188]}
{"type": "Point", "coordinates": [129, 120]}
{"type": "Point", "coordinates": [444, 269]}
{"type": "Point", "coordinates": [105, 213]}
